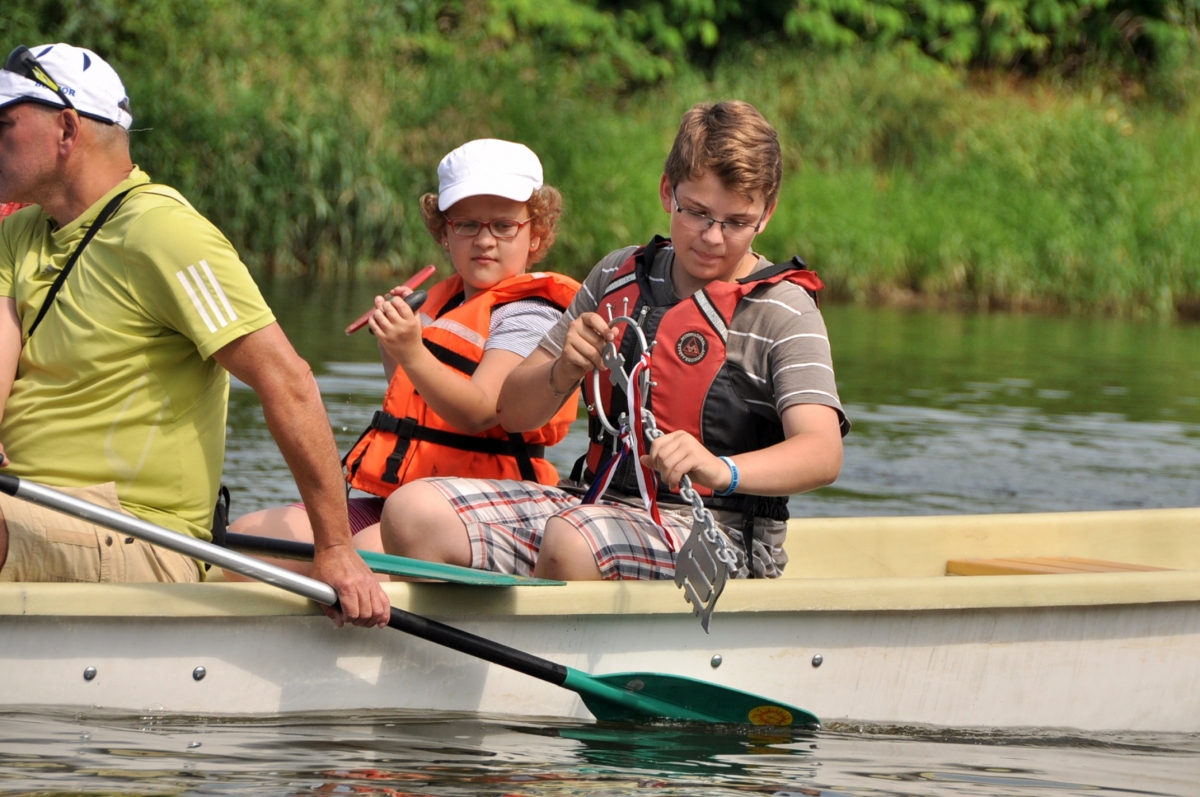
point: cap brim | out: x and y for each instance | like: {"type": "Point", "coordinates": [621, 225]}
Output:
{"type": "Point", "coordinates": [516, 190]}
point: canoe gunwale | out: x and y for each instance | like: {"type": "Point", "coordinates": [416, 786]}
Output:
{"type": "Point", "coordinates": [616, 598]}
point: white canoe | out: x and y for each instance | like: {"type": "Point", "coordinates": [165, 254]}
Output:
{"type": "Point", "coordinates": [866, 626]}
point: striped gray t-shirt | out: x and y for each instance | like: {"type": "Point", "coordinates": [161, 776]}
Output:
{"type": "Point", "coordinates": [518, 326]}
{"type": "Point", "coordinates": [777, 341]}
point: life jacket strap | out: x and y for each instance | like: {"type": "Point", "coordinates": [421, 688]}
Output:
{"type": "Point", "coordinates": [407, 430]}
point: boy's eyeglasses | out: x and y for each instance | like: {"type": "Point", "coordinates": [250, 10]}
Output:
{"type": "Point", "coordinates": [732, 230]}
{"type": "Point", "coordinates": [501, 229]}
{"type": "Point", "coordinates": [22, 62]}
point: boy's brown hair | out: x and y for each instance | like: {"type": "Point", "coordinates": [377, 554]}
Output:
{"type": "Point", "coordinates": [733, 141]}
{"type": "Point", "coordinates": [545, 208]}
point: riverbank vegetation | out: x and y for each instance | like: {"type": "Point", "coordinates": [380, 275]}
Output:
{"type": "Point", "coordinates": [1009, 153]}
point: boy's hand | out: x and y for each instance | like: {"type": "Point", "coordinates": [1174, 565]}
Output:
{"type": "Point", "coordinates": [582, 348]}
{"type": "Point", "coordinates": [396, 326]}
{"type": "Point", "coordinates": [678, 454]}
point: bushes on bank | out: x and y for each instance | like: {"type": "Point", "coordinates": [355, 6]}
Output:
{"type": "Point", "coordinates": [307, 131]}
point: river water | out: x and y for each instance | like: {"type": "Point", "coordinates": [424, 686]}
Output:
{"type": "Point", "coordinates": [952, 413]}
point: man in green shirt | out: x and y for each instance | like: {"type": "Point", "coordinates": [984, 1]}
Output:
{"type": "Point", "coordinates": [119, 392]}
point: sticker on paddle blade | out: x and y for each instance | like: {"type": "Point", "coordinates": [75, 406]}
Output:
{"type": "Point", "coordinates": [770, 715]}
{"type": "Point", "coordinates": [700, 573]}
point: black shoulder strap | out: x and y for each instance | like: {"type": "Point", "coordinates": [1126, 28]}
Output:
{"type": "Point", "coordinates": [796, 263]}
{"type": "Point", "coordinates": [101, 217]}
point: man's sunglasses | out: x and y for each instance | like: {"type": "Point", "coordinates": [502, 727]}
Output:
{"type": "Point", "coordinates": [22, 62]}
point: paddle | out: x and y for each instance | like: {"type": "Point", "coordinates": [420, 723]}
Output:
{"type": "Point", "coordinates": [622, 697]}
{"type": "Point", "coordinates": [385, 563]}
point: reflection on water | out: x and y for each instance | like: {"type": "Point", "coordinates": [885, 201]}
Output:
{"type": "Point", "coordinates": [407, 754]}
{"type": "Point", "coordinates": [952, 412]}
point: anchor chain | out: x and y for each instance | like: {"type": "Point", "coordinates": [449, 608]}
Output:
{"type": "Point", "coordinates": [706, 559]}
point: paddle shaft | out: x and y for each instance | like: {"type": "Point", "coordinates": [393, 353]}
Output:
{"type": "Point", "coordinates": [314, 590]}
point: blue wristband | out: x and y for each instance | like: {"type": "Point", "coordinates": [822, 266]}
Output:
{"type": "Point", "coordinates": [733, 474]}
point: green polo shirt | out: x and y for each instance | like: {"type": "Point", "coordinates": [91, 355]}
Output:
{"type": "Point", "coordinates": [117, 384]}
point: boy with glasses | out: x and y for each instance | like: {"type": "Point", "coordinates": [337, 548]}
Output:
{"type": "Point", "coordinates": [742, 386]}
{"type": "Point", "coordinates": [121, 311]}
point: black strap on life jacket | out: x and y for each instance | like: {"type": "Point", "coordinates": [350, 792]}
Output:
{"type": "Point", "coordinates": [407, 430]}
{"type": "Point", "coordinates": [101, 217]}
{"type": "Point", "coordinates": [796, 262]}
{"type": "Point", "coordinates": [446, 356]}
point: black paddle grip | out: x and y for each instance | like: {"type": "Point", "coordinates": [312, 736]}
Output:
{"type": "Point", "coordinates": [464, 642]}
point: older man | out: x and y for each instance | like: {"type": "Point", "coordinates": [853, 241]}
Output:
{"type": "Point", "coordinates": [114, 385]}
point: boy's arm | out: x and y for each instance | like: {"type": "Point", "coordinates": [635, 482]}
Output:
{"type": "Point", "coordinates": [536, 389]}
{"type": "Point", "coordinates": [809, 457]}
{"type": "Point", "coordinates": [10, 353]}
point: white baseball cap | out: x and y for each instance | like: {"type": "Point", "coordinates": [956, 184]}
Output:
{"type": "Point", "coordinates": [488, 166]}
{"type": "Point", "coordinates": [92, 86]}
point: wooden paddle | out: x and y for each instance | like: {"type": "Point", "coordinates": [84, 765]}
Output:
{"type": "Point", "coordinates": [621, 697]}
{"type": "Point", "coordinates": [385, 563]}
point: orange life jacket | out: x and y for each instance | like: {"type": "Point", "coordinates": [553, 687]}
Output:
{"type": "Point", "coordinates": [407, 440]}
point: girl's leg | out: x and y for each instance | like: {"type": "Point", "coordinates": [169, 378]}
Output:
{"type": "Point", "coordinates": [280, 523]}
{"type": "Point", "coordinates": [291, 523]}
{"type": "Point", "coordinates": [419, 522]}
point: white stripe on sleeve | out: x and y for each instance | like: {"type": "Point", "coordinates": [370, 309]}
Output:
{"type": "Point", "coordinates": [187, 286]}
{"type": "Point", "coordinates": [212, 278]}
{"type": "Point", "coordinates": [212, 305]}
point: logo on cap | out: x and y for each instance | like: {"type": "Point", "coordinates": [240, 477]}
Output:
{"type": "Point", "coordinates": [691, 347]}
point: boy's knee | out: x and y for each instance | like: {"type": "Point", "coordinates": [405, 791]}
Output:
{"type": "Point", "coordinates": [565, 554]}
{"type": "Point", "coordinates": [412, 515]}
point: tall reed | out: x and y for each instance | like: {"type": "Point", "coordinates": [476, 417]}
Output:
{"type": "Point", "coordinates": [307, 132]}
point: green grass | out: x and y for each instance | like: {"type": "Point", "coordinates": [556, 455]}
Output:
{"type": "Point", "coordinates": [308, 131]}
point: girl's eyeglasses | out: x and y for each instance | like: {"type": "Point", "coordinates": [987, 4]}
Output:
{"type": "Point", "coordinates": [501, 229]}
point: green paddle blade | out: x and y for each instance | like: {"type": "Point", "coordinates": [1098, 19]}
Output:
{"type": "Point", "coordinates": [640, 696]}
{"type": "Point", "coordinates": [385, 563]}
{"type": "Point", "coordinates": [416, 568]}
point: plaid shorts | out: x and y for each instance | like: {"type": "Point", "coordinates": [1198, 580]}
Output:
{"type": "Point", "coordinates": [505, 520]}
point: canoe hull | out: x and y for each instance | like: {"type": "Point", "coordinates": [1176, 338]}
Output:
{"type": "Point", "coordinates": [899, 641]}
{"type": "Point", "coordinates": [1115, 667]}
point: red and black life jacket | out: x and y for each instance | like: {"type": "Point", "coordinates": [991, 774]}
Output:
{"type": "Point", "coordinates": [407, 440]}
{"type": "Point", "coordinates": [694, 388]}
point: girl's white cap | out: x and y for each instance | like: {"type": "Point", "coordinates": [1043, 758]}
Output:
{"type": "Point", "coordinates": [488, 166]}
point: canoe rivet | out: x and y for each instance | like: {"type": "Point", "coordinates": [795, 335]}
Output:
{"type": "Point", "coordinates": [716, 660]}
{"type": "Point", "coordinates": [89, 673]}
{"type": "Point", "coordinates": [818, 659]}
{"type": "Point", "coordinates": [199, 673]}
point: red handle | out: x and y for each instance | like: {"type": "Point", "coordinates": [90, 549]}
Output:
{"type": "Point", "coordinates": [411, 282]}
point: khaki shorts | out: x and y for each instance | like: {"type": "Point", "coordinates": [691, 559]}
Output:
{"type": "Point", "coordinates": [44, 545]}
